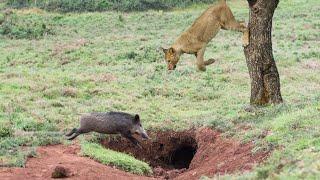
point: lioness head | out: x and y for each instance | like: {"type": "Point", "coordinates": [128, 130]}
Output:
{"type": "Point", "coordinates": [171, 57]}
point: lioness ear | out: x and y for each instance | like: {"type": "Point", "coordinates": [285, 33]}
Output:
{"type": "Point", "coordinates": [171, 50]}
{"type": "Point", "coordinates": [163, 49]}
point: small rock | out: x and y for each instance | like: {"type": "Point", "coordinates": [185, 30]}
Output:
{"type": "Point", "coordinates": [60, 172]}
{"type": "Point", "coordinates": [158, 171]}
{"type": "Point", "coordinates": [143, 39]}
{"type": "Point", "coordinates": [71, 92]}
{"type": "Point", "coordinates": [174, 173]}
{"type": "Point", "coordinates": [249, 108]}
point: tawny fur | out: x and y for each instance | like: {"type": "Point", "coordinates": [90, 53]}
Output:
{"type": "Point", "coordinates": [195, 39]}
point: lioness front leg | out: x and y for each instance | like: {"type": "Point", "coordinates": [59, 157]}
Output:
{"type": "Point", "coordinates": [201, 63]}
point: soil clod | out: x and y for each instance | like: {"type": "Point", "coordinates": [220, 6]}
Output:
{"type": "Point", "coordinates": [60, 172]}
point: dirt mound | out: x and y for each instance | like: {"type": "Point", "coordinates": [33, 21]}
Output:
{"type": "Point", "coordinates": [167, 149]}
{"type": "Point", "coordinates": [50, 157]}
{"type": "Point", "coordinates": [190, 154]}
{"type": "Point", "coordinates": [219, 155]}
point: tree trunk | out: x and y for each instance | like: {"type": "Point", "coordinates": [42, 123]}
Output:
{"type": "Point", "coordinates": [265, 80]}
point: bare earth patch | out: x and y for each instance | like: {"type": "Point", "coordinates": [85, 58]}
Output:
{"type": "Point", "coordinates": [173, 155]}
{"type": "Point", "coordinates": [49, 157]}
{"type": "Point", "coordinates": [312, 65]}
{"type": "Point", "coordinates": [61, 49]}
{"type": "Point", "coordinates": [107, 77]}
{"type": "Point", "coordinates": [219, 155]}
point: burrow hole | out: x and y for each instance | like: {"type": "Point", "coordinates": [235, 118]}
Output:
{"type": "Point", "coordinates": [182, 157]}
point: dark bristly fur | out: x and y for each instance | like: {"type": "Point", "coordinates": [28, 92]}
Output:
{"type": "Point", "coordinates": [110, 123]}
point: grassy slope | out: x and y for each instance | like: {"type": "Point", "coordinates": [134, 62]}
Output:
{"type": "Point", "coordinates": [111, 62]}
{"type": "Point", "coordinates": [109, 157]}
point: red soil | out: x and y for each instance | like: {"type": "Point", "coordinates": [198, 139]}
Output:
{"type": "Point", "coordinates": [49, 157]}
{"type": "Point", "coordinates": [215, 155]}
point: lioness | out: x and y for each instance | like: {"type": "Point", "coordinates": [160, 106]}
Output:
{"type": "Point", "coordinates": [195, 39]}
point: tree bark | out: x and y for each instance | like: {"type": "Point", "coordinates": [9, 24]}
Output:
{"type": "Point", "coordinates": [265, 80]}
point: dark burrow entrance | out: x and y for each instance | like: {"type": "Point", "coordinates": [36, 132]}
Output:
{"type": "Point", "coordinates": [182, 157]}
{"type": "Point", "coordinates": [167, 150]}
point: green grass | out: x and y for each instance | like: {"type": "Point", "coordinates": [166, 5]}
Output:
{"type": "Point", "coordinates": [113, 158]}
{"type": "Point", "coordinates": [25, 26]}
{"type": "Point", "coordinates": [103, 5]}
{"type": "Point", "coordinates": [110, 61]}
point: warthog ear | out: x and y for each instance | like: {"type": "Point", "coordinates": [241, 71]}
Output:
{"type": "Point", "coordinates": [136, 118]}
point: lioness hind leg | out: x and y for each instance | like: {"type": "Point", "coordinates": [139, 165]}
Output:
{"type": "Point", "coordinates": [72, 132]}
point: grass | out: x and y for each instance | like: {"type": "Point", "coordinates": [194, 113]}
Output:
{"type": "Point", "coordinates": [110, 61]}
{"type": "Point", "coordinates": [113, 158]}
{"type": "Point", "coordinates": [103, 5]}
{"type": "Point", "coordinates": [20, 26]}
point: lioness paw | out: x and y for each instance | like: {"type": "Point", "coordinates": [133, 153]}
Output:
{"type": "Point", "coordinates": [201, 67]}
{"type": "Point", "coordinates": [245, 38]}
